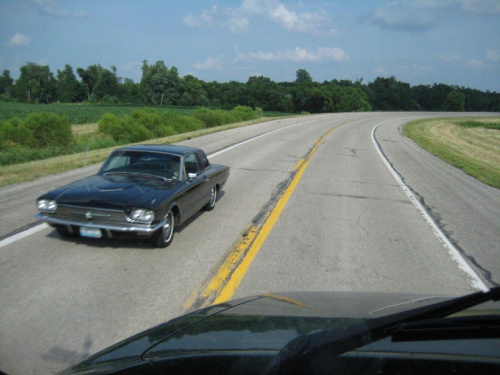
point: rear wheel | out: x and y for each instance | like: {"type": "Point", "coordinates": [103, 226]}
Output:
{"type": "Point", "coordinates": [165, 235]}
{"type": "Point", "coordinates": [213, 198]}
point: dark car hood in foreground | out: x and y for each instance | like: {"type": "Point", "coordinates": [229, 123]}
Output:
{"type": "Point", "coordinates": [114, 191]}
{"type": "Point", "coordinates": [261, 325]}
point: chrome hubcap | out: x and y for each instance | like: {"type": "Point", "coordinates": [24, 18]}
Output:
{"type": "Point", "coordinates": [167, 228]}
{"type": "Point", "coordinates": [213, 197]}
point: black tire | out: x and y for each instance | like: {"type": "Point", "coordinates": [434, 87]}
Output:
{"type": "Point", "coordinates": [165, 235]}
{"type": "Point", "coordinates": [211, 203]}
{"type": "Point", "coordinates": [64, 233]}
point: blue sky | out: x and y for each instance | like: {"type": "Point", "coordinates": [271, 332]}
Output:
{"type": "Point", "coordinates": [455, 42]}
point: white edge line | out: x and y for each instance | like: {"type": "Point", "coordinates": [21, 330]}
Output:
{"type": "Point", "coordinates": [254, 138]}
{"type": "Point", "coordinates": [43, 226]}
{"type": "Point", "coordinates": [473, 277]}
{"type": "Point", "coordinates": [24, 234]}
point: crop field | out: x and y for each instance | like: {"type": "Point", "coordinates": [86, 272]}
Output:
{"type": "Point", "coordinates": [78, 113]}
{"type": "Point", "coordinates": [89, 113]}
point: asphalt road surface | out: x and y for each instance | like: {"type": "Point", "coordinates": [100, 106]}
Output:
{"type": "Point", "coordinates": [329, 213]}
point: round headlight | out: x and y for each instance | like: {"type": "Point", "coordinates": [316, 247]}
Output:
{"type": "Point", "coordinates": [140, 214]}
{"type": "Point", "coordinates": [46, 205]}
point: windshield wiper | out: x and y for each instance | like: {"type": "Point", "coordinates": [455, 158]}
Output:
{"type": "Point", "coordinates": [464, 327]}
{"type": "Point", "coordinates": [137, 175]}
{"type": "Point", "coordinates": [299, 354]}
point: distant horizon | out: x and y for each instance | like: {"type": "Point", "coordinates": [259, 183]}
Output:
{"type": "Point", "coordinates": [453, 42]}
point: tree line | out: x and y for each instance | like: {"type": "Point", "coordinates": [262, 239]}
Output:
{"type": "Point", "coordinates": [161, 85]}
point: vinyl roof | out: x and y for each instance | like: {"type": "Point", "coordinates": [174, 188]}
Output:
{"type": "Point", "coordinates": [171, 149]}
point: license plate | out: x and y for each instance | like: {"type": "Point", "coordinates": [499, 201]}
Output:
{"type": "Point", "coordinates": [90, 232]}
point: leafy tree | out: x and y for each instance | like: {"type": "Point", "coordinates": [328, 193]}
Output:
{"type": "Point", "coordinates": [388, 94]}
{"type": "Point", "coordinates": [6, 83]}
{"type": "Point", "coordinates": [455, 101]}
{"type": "Point", "coordinates": [233, 93]}
{"type": "Point", "coordinates": [303, 77]}
{"type": "Point", "coordinates": [35, 84]}
{"type": "Point", "coordinates": [130, 92]}
{"type": "Point", "coordinates": [262, 92]}
{"type": "Point", "coordinates": [160, 84]}
{"type": "Point", "coordinates": [194, 93]}
{"type": "Point", "coordinates": [90, 76]}
{"type": "Point", "coordinates": [345, 99]}
{"type": "Point", "coordinates": [106, 85]}
{"type": "Point", "coordinates": [68, 87]}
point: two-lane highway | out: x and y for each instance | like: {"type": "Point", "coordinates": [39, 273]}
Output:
{"type": "Point", "coordinates": [346, 224]}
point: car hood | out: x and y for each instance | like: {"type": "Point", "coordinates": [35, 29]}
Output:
{"type": "Point", "coordinates": [262, 324]}
{"type": "Point", "coordinates": [114, 191]}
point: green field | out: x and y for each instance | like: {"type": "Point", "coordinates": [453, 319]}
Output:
{"type": "Point", "coordinates": [77, 113]}
{"type": "Point", "coordinates": [88, 113]}
{"type": "Point", "coordinates": [470, 144]}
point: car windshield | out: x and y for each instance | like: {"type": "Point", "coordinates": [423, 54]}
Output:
{"type": "Point", "coordinates": [142, 163]}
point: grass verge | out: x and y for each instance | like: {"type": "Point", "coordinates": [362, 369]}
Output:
{"type": "Point", "coordinates": [30, 171]}
{"type": "Point", "coordinates": [470, 144]}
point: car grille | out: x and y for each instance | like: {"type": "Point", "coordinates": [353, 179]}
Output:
{"type": "Point", "coordinates": [89, 215]}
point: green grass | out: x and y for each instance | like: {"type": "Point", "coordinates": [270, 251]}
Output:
{"type": "Point", "coordinates": [478, 124]}
{"type": "Point", "coordinates": [472, 145]}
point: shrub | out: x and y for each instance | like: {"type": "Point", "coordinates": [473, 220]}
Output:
{"type": "Point", "coordinates": [181, 123]}
{"type": "Point", "coordinates": [213, 118]}
{"type": "Point", "coordinates": [208, 117]}
{"type": "Point", "coordinates": [143, 124]}
{"type": "Point", "coordinates": [149, 118]}
{"type": "Point", "coordinates": [13, 132]}
{"type": "Point", "coordinates": [109, 125]}
{"type": "Point", "coordinates": [242, 113]}
{"type": "Point", "coordinates": [48, 129]}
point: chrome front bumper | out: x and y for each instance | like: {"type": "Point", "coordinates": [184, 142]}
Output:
{"type": "Point", "coordinates": [132, 228]}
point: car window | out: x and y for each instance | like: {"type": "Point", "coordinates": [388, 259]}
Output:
{"type": "Point", "coordinates": [203, 159]}
{"type": "Point", "coordinates": [164, 165]}
{"type": "Point", "coordinates": [192, 164]}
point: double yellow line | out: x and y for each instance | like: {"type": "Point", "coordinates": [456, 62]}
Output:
{"type": "Point", "coordinates": [230, 274]}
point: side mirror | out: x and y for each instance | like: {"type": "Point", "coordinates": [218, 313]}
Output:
{"type": "Point", "coordinates": [191, 176]}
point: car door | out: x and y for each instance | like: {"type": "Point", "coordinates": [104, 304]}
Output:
{"type": "Point", "coordinates": [198, 192]}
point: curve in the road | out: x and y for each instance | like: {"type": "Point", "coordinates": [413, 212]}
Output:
{"type": "Point", "coordinates": [462, 264]}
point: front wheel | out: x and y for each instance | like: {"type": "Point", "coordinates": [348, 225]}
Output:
{"type": "Point", "coordinates": [213, 198]}
{"type": "Point", "coordinates": [165, 235]}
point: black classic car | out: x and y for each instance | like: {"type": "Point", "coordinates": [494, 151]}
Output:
{"type": "Point", "coordinates": [143, 191]}
{"type": "Point", "coordinates": [318, 333]}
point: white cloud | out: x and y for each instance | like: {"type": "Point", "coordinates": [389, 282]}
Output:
{"type": "Point", "coordinates": [52, 7]}
{"type": "Point", "coordinates": [230, 19]}
{"type": "Point", "coordinates": [412, 15]}
{"type": "Point", "coordinates": [480, 6]}
{"type": "Point", "coordinates": [238, 19]}
{"type": "Point", "coordinates": [414, 69]}
{"type": "Point", "coordinates": [474, 64]}
{"type": "Point", "coordinates": [418, 15]}
{"type": "Point", "coordinates": [132, 65]}
{"type": "Point", "coordinates": [449, 58]}
{"type": "Point", "coordinates": [206, 17]}
{"type": "Point", "coordinates": [379, 70]}
{"type": "Point", "coordinates": [309, 22]}
{"type": "Point", "coordinates": [493, 55]}
{"type": "Point", "coordinates": [210, 64]}
{"type": "Point", "coordinates": [321, 54]}
{"type": "Point", "coordinates": [19, 40]}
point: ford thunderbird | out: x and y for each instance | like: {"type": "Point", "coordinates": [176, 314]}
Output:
{"type": "Point", "coordinates": [142, 191]}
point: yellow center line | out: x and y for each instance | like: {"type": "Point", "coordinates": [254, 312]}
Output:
{"type": "Point", "coordinates": [229, 276]}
